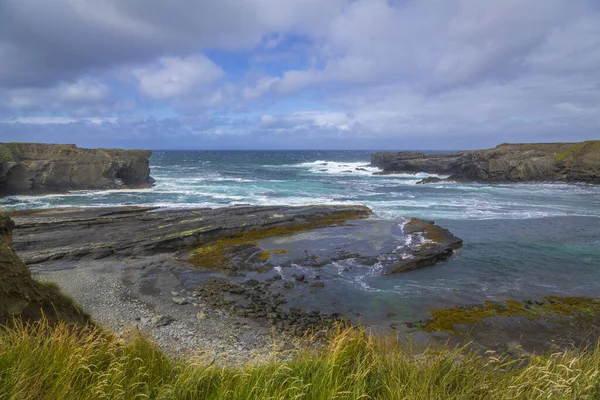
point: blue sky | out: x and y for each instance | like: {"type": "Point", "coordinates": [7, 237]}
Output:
{"type": "Point", "coordinates": [311, 74]}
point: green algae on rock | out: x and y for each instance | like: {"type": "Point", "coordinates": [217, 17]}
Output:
{"type": "Point", "coordinates": [446, 319]}
{"type": "Point", "coordinates": [223, 252]}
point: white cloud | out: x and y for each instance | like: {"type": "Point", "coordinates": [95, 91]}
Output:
{"type": "Point", "coordinates": [84, 95]}
{"type": "Point", "coordinates": [174, 76]}
{"type": "Point", "coordinates": [56, 120]}
{"type": "Point", "coordinates": [385, 68]}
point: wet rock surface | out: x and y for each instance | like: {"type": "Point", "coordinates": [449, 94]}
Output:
{"type": "Point", "coordinates": [261, 301]}
{"type": "Point", "coordinates": [129, 267]}
{"type": "Point", "coordinates": [78, 233]}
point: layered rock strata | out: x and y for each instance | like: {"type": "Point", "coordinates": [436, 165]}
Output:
{"type": "Point", "coordinates": [35, 168]}
{"type": "Point", "coordinates": [565, 162]}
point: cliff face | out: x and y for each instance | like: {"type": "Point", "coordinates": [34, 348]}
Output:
{"type": "Point", "coordinates": [567, 162]}
{"type": "Point", "coordinates": [31, 168]}
{"type": "Point", "coordinates": [21, 296]}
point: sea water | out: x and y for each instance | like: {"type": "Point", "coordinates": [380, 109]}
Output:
{"type": "Point", "coordinates": [521, 240]}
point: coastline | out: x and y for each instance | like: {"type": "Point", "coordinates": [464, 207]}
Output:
{"type": "Point", "coordinates": [154, 293]}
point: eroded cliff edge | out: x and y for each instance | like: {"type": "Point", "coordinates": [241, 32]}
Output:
{"type": "Point", "coordinates": [21, 296]}
{"type": "Point", "coordinates": [565, 162]}
{"type": "Point", "coordinates": [35, 168]}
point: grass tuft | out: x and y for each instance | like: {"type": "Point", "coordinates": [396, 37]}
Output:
{"type": "Point", "coordinates": [40, 361]}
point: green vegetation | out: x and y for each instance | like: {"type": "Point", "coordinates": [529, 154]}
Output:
{"type": "Point", "coordinates": [445, 319]}
{"type": "Point", "coordinates": [41, 362]}
{"type": "Point", "coordinates": [591, 147]}
{"type": "Point", "coordinates": [265, 255]}
{"type": "Point", "coordinates": [6, 154]}
{"type": "Point", "coordinates": [220, 253]}
{"type": "Point", "coordinates": [11, 151]}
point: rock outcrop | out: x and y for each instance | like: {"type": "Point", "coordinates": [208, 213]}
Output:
{"type": "Point", "coordinates": [21, 296]}
{"type": "Point", "coordinates": [35, 168]}
{"type": "Point", "coordinates": [566, 162]}
{"type": "Point", "coordinates": [278, 266]}
{"type": "Point", "coordinates": [432, 244]}
{"type": "Point", "coordinates": [239, 239]}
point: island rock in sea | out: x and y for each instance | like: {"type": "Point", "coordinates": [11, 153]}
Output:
{"type": "Point", "coordinates": [566, 162]}
{"type": "Point", "coordinates": [36, 168]}
{"type": "Point", "coordinates": [21, 296]}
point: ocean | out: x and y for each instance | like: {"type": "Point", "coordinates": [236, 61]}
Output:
{"type": "Point", "coordinates": [522, 241]}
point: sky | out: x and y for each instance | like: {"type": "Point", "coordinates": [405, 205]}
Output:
{"type": "Point", "coordinates": [299, 74]}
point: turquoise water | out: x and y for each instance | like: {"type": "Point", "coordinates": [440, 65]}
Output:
{"type": "Point", "coordinates": [521, 240]}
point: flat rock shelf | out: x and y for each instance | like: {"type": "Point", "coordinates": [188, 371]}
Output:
{"type": "Point", "coordinates": [223, 279]}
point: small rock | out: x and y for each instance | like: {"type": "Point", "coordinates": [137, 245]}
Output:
{"type": "Point", "coordinates": [288, 285]}
{"type": "Point", "coordinates": [145, 320]}
{"type": "Point", "coordinates": [161, 320]}
{"type": "Point", "coordinates": [180, 300]}
{"type": "Point", "coordinates": [300, 278]}
{"type": "Point", "coordinates": [174, 294]}
{"type": "Point", "coordinates": [317, 284]}
{"type": "Point", "coordinates": [275, 277]}
{"type": "Point", "coordinates": [201, 315]}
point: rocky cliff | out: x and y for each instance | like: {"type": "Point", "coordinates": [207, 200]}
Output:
{"type": "Point", "coordinates": [34, 168]}
{"type": "Point", "coordinates": [21, 296]}
{"type": "Point", "coordinates": [567, 162]}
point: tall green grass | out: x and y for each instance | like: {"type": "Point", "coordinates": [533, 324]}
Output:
{"type": "Point", "coordinates": [40, 362]}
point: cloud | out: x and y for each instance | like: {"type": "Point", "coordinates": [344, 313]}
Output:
{"type": "Point", "coordinates": [82, 96]}
{"type": "Point", "coordinates": [45, 42]}
{"type": "Point", "coordinates": [174, 76]}
{"type": "Point", "coordinates": [290, 73]}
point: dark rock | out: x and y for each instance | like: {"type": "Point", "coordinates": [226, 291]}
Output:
{"type": "Point", "coordinates": [437, 244]}
{"type": "Point", "coordinates": [276, 277]}
{"type": "Point", "coordinates": [568, 162]}
{"type": "Point", "coordinates": [32, 168]}
{"type": "Point", "coordinates": [431, 179]}
{"type": "Point", "coordinates": [102, 254]}
{"type": "Point", "coordinates": [288, 285]}
{"type": "Point", "coordinates": [317, 284]}
{"type": "Point", "coordinates": [23, 297]}
{"type": "Point", "coordinates": [144, 231]}
{"type": "Point", "coordinates": [299, 278]}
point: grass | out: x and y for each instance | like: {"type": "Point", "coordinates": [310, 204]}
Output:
{"type": "Point", "coordinates": [41, 361]}
{"type": "Point", "coordinates": [590, 148]}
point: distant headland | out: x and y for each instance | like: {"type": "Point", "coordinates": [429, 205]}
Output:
{"type": "Point", "coordinates": [545, 162]}
{"type": "Point", "coordinates": [36, 168]}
